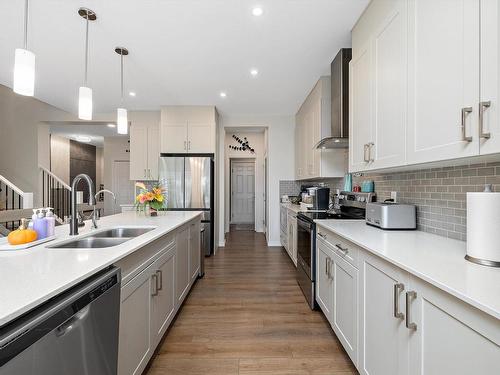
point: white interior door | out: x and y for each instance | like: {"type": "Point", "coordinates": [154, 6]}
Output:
{"type": "Point", "coordinates": [242, 192]}
{"type": "Point", "coordinates": [123, 187]}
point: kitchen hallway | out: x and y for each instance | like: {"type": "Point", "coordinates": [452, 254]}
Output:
{"type": "Point", "coordinates": [248, 316]}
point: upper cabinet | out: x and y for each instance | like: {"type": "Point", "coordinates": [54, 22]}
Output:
{"type": "Point", "coordinates": [312, 123]}
{"type": "Point", "coordinates": [188, 129]}
{"type": "Point", "coordinates": [144, 151]}
{"type": "Point", "coordinates": [424, 82]}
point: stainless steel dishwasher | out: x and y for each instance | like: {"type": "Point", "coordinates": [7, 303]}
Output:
{"type": "Point", "coordinates": [75, 333]}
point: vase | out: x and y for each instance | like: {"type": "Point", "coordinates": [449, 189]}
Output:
{"type": "Point", "coordinates": [152, 211]}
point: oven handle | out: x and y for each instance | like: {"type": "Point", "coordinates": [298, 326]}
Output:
{"type": "Point", "coordinates": [304, 224]}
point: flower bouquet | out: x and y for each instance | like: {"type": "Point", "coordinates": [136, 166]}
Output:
{"type": "Point", "coordinates": [151, 200]}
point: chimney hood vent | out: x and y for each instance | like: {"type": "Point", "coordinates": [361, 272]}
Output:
{"type": "Point", "coordinates": [340, 102]}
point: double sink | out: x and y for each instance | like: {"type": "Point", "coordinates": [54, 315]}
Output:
{"type": "Point", "coordinates": [106, 238]}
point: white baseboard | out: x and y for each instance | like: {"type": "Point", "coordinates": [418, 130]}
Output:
{"type": "Point", "coordinates": [274, 243]}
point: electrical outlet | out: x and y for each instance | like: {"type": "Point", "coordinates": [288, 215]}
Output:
{"type": "Point", "coordinates": [394, 196]}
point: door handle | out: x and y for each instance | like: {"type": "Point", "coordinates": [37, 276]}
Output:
{"type": "Point", "coordinates": [144, 172]}
{"type": "Point", "coordinates": [365, 149]}
{"type": "Point", "coordinates": [155, 277]}
{"type": "Point", "coordinates": [326, 265]}
{"type": "Point", "coordinates": [409, 324]}
{"type": "Point", "coordinates": [189, 145]}
{"type": "Point", "coordinates": [399, 287]}
{"type": "Point", "coordinates": [72, 322]}
{"type": "Point", "coordinates": [185, 145]}
{"type": "Point", "coordinates": [330, 269]}
{"type": "Point", "coordinates": [160, 276]}
{"type": "Point", "coordinates": [370, 146]}
{"type": "Point", "coordinates": [482, 107]}
{"type": "Point", "coordinates": [465, 112]}
{"type": "Point", "coordinates": [345, 250]}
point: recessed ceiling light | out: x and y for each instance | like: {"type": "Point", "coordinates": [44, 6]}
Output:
{"type": "Point", "coordinates": [132, 93]}
{"type": "Point", "coordinates": [83, 138]}
{"type": "Point", "coordinates": [111, 126]}
{"type": "Point", "coordinates": [223, 94]}
{"type": "Point", "coordinates": [254, 72]}
{"type": "Point", "coordinates": [257, 11]}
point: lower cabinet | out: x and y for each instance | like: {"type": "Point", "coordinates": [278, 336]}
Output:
{"type": "Point", "coordinates": [150, 300]}
{"type": "Point", "coordinates": [135, 345]}
{"type": "Point", "coordinates": [336, 294]}
{"type": "Point", "coordinates": [391, 322]}
{"type": "Point", "coordinates": [382, 332]}
{"type": "Point", "coordinates": [183, 275]}
{"type": "Point", "coordinates": [292, 237]}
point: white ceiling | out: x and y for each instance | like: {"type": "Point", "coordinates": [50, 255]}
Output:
{"type": "Point", "coordinates": [96, 131]}
{"type": "Point", "coordinates": [181, 51]}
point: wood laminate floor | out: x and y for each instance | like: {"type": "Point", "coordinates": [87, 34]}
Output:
{"type": "Point", "coordinates": [247, 316]}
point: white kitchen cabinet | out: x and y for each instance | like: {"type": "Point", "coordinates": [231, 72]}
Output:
{"type": "Point", "coordinates": [284, 227]}
{"type": "Point", "coordinates": [292, 236]}
{"type": "Point", "coordinates": [378, 90]}
{"type": "Point", "coordinates": [344, 318]}
{"type": "Point", "coordinates": [390, 48]}
{"type": "Point", "coordinates": [163, 303]}
{"type": "Point", "coordinates": [188, 129]}
{"type": "Point", "coordinates": [135, 342]}
{"type": "Point", "coordinates": [144, 152]}
{"type": "Point", "coordinates": [489, 119]}
{"type": "Point", "coordinates": [383, 338]}
{"type": "Point", "coordinates": [324, 278]}
{"type": "Point", "coordinates": [443, 86]}
{"type": "Point", "coordinates": [449, 336]}
{"type": "Point", "coordinates": [313, 122]}
{"type": "Point", "coordinates": [174, 137]}
{"type": "Point", "coordinates": [194, 250]}
{"type": "Point", "coordinates": [183, 273]}
{"type": "Point", "coordinates": [361, 107]}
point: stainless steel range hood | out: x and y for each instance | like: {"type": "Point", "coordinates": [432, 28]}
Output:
{"type": "Point", "coordinates": [340, 102]}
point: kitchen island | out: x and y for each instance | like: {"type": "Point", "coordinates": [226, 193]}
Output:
{"type": "Point", "coordinates": [30, 277]}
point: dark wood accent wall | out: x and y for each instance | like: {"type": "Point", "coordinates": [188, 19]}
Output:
{"type": "Point", "coordinates": [82, 159]}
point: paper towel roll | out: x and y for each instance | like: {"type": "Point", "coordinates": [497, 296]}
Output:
{"type": "Point", "coordinates": [483, 228]}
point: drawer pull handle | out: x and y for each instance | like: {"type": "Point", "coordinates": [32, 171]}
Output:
{"type": "Point", "coordinates": [322, 235]}
{"type": "Point", "coordinates": [398, 288]}
{"type": "Point", "coordinates": [155, 277]}
{"type": "Point", "coordinates": [345, 250]}
{"type": "Point", "coordinates": [409, 324]}
{"type": "Point", "coordinates": [160, 276]}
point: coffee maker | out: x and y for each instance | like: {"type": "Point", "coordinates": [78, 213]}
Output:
{"type": "Point", "coordinates": [320, 198]}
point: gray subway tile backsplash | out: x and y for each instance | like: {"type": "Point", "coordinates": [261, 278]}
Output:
{"type": "Point", "coordinates": [438, 193]}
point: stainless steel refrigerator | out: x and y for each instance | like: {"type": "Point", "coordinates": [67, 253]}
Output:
{"type": "Point", "coordinates": [189, 183]}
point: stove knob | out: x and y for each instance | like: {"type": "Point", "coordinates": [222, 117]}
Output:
{"type": "Point", "coordinates": [361, 199]}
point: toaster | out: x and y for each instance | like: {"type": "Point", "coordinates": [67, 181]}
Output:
{"type": "Point", "coordinates": [388, 215]}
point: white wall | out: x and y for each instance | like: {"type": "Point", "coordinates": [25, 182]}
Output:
{"type": "Point", "coordinates": [256, 141]}
{"type": "Point", "coordinates": [19, 136]}
{"type": "Point", "coordinates": [115, 148]}
{"type": "Point", "coordinates": [281, 164]}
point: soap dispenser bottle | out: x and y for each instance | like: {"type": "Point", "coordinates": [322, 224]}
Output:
{"type": "Point", "coordinates": [39, 225]}
{"type": "Point", "coordinates": [50, 221]}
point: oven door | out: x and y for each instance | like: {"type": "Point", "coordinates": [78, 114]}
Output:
{"type": "Point", "coordinates": [305, 246]}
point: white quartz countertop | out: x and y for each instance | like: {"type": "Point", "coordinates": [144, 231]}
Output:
{"type": "Point", "coordinates": [294, 207]}
{"type": "Point", "coordinates": [435, 259]}
{"type": "Point", "coordinates": [32, 276]}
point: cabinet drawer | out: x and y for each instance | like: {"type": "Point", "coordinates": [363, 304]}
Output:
{"type": "Point", "coordinates": [134, 263]}
{"type": "Point", "coordinates": [345, 249]}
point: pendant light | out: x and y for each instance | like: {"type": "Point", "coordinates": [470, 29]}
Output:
{"type": "Point", "coordinates": [85, 92]}
{"type": "Point", "coordinates": [24, 64]}
{"type": "Point", "coordinates": [121, 113]}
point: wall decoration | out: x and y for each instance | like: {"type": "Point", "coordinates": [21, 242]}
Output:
{"type": "Point", "coordinates": [243, 145]}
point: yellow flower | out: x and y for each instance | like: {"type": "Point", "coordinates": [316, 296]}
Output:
{"type": "Point", "coordinates": [149, 196]}
{"type": "Point", "coordinates": [159, 197]}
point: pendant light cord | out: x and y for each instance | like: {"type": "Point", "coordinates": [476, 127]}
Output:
{"type": "Point", "coordinates": [26, 11]}
{"type": "Point", "coordinates": [121, 78]}
{"type": "Point", "coordinates": [86, 48]}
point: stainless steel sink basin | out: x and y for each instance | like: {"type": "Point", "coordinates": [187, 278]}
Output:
{"type": "Point", "coordinates": [107, 238]}
{"type": "Point", "coordinates": [122, 232]}
{"type": "Point", "coordinates": [90, 243]}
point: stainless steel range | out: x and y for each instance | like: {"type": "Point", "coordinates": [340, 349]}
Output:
{"type": "Point", "coordinates": [351, 206]}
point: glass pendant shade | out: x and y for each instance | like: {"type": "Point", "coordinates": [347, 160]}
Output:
{"type": "Point", "coordinates": [85, 103]}
{"type": "Point", "coordinates": [121, 121]}
{"type": "Point", "coordinates": [24, 72]}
